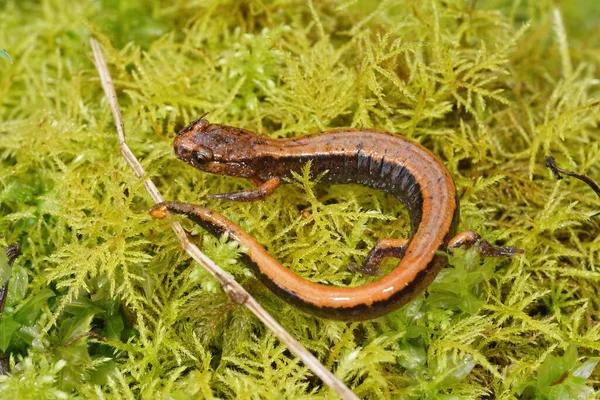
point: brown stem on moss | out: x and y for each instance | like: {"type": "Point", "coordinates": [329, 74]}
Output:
{"type": "Point", "coordinates": [551, 163]}
{"type": "Point", "coordinates": [12, 252]}
{"type": "Point", "coordinates": [84, 334]}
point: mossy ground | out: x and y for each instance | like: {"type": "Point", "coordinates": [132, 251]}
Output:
{"type": "Point", "coordinates": [489, 86]}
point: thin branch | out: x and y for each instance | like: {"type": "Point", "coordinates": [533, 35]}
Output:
{"type": "Point", "coordinates": [84, 334]}
{"type": "Point", "coordinates": [237, 293]}
{"type": "Point", "coordinates": [551, 163]}
{"type": "Point", "coordinates": [12, 252]}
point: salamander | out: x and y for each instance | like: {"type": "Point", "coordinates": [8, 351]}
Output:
{"type": "Point", "coordinates": [373, 158]}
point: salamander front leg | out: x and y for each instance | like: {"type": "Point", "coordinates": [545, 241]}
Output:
{"type": "Point", "coordinates": [388, 247]}
{"type": "Point", "coordinates": [469, 238]}
{"type": "Point", "coordinates": [263, 190]}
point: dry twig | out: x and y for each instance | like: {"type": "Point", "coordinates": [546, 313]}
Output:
{"type": "Point", "coordinates": [237, 293]}
{"type": "Point", "coordinates": [84, 334]}
{"type": "Point", "coordinates": [551, 163]}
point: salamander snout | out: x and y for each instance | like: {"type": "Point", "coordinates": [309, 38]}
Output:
{"type": "Point", "coordinates": [183, 150]}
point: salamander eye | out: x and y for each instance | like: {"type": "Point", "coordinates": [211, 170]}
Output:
{"type": "Point", "coordinates": [203, 155]}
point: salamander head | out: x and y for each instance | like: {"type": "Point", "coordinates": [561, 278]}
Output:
{"type": "Point", "coordinates": [217, 148]}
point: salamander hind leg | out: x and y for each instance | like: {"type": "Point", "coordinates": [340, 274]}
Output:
{"type": "Point", "coordinates": [264, 190]}
{"type": "Point", "coordinates": [469, 238]}
{"type": "Point", "coordinates": [389, 247]}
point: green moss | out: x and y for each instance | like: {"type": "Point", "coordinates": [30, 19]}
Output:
{"type": "Point", "coordinates": [489, 86]}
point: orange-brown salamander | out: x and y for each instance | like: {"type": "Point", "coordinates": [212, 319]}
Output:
{"type": "Point", "coordinates": [372, 158]}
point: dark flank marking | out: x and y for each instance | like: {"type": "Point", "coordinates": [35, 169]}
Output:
{"type": "Point", "coordinates": [405, 187]}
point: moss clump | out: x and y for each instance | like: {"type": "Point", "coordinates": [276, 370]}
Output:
{"type": "Point", "coordinates": [489, 86]}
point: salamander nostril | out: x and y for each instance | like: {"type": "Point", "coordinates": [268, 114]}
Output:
{"type": "Point", "coordinates": [183, 151]}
